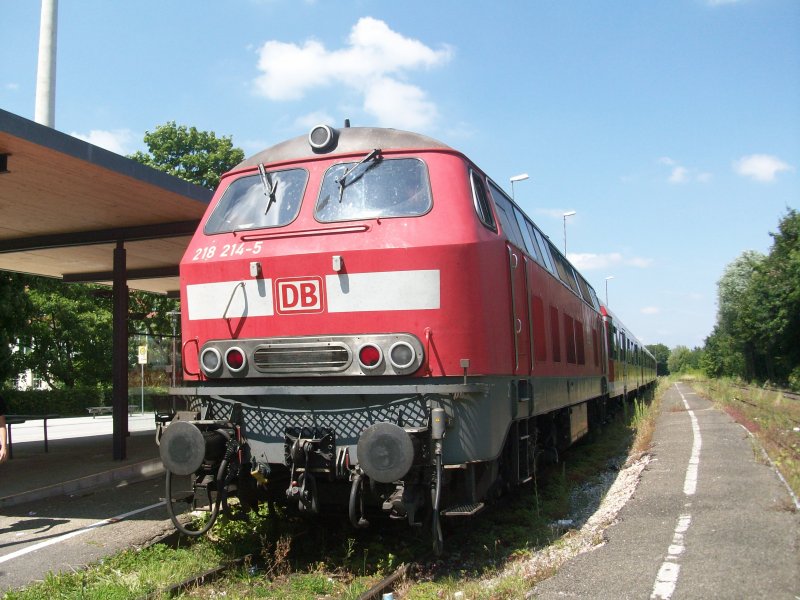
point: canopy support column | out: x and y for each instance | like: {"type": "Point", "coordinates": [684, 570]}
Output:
{"type": "Point", "coordinates": [120, 351]}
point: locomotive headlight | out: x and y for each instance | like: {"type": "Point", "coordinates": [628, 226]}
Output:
{"type": "Point", "coordinates": [402, 355]}
{"type": "Point", "coordinates": [235, 359]}
{"type": "Point", "coordinates": [370, 357]}
{"type": "Point", "coordinates": [210, 360]}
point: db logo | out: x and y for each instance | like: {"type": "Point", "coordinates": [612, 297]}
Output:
{"type": "Point", "coordinates": [299, 295]}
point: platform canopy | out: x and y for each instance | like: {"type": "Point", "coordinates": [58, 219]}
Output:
{"type": "Point", "coordinates": [65, 205]}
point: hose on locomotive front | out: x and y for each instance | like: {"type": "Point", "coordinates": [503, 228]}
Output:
{"type": "Point", "coordinates": [357, 503]}
{"type": "Point", "coordinates": [215, 506]}
{"type": "Point", "coordinates": [186, 451]}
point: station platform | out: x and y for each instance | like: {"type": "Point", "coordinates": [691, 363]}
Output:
{"type": "Point", "coordinates": [79, 457]}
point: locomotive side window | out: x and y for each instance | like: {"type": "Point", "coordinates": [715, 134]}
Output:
{"type": "Point", "coordinates": [506, 213]}
{"type": "Point", "coordinates": [257, 201]}
{"type": "Point", "coordinates": [537, 252]}
{"type": "Point", "coordinates": [378, 188]}
{"type": "Point", "coordinates": [548, 261]}
{"type": "Point", "coordinates": [584, 288]}
{"type": "Point", "coordinates": [481, 201]}
{"type": "Point", "coordinates": [565, 271]}
{"type": "Point", "coordinates": [526, 234]}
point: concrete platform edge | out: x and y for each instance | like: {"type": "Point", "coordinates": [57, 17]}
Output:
{"type": "Point", "coordinates": [127, 474]}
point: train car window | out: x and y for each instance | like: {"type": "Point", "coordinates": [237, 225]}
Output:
{"type": "Point", "coordinates": [505, 211]}
{"type": "Point", "coordinates": [481, 201]}
{"type": "Point", "coordinates": [580, 342]}
{"type": "Point", "coordinates": [555, 334]}
{"type": "Point", "coordinates": [611, 334]}
{"type": "Point", "coordinates": [569, 338]}
{"type": "Point", "coordinates": [379, 188]}
{"type": "Point", "coordinates": [251, 202]}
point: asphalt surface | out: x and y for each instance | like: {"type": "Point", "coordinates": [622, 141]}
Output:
{"type": "Point", "coordinates": [74, 505]}
{"type": "Point", "coordinates": [709, 519]}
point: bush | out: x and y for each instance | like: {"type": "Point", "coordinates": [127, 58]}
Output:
{"type": "Point", "coordinates": [64, 402]}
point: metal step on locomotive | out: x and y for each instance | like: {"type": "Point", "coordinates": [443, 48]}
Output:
{"type": "Point", "coordinates": [369, 322]}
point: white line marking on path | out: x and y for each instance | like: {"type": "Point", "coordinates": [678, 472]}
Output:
{"type": "Point", "coordinates": [667, 577]}
{"type": "Point", "coordinates": [77, 532]}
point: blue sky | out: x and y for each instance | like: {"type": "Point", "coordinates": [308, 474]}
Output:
{"type": "Point", "coordinates": [672, 128]}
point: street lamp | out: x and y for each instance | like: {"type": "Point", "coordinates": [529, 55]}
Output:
{"type": "Point", "coordinates": [566, 214]}
{"type": "Point", "coordinates": [520, 177]}
{"type": "Point", "coordinates": [607, 278]}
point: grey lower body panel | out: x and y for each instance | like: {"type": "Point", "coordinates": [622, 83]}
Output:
{"type": "Point", "coordinates": [479, 412]}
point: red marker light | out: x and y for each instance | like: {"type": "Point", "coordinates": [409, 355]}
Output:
{"type": "Point", "coordinates": [234, 358]}
{"type": "Point", "coordinates": [369, 356]}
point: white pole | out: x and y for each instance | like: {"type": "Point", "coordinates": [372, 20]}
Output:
{"type": "Point", "coordinates": [46, 71]}
{"type": "Point", "coordinates": [142, 388]}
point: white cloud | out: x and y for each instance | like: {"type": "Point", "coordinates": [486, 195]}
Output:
{"type": "Point", "coordinates": [11, 87]}
{"type": "Point", "coordinates": [680, 174]}
{"type": "Point", "coordinates": [760, 167]}
{"type": "Point", "coordinates": [392, 102]}
{"type": "Point", "coordinates": [373, 63]}
{"type": "Point", "coordinates": [594, 262]}
{"type": "Point", "coordinates": [120, 141]}
{"type": "Point", "coordinates": [650, 310]}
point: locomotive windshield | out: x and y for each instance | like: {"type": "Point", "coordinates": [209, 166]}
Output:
{"type": "Point", "coordinates": [268, 199]}
{"type": "Point", "coordinates": [381, 188]}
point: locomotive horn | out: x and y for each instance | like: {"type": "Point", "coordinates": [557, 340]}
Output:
{"type": "Point", "coordinates": [385, 452]}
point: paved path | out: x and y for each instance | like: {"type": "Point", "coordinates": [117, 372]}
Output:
{"type": "Point", "coordinates": [709, 519]}
{"type": "Point", "coordinates": [73, 505]}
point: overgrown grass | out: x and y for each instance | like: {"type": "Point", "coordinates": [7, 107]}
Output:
{"type": "Point", "coordinates": [130, 574]}
{"type": "Point", "coordinates": [770, 416]}
{"type": "Point", "coordinates": [325, 558]}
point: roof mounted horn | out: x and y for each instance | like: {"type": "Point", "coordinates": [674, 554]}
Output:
{"type": "Point", "coordinates": [323, 138]}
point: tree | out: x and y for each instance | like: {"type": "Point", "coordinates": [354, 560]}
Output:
{"type": "Point", "coordinates": [196, 156]}
{"type": "Point", "coordinates": [661, 354]}
{"type": "Point", "coordinates": [758, 323]}
{"type": "Point", "coordinates": [683, 360]}
{"type": "Point", "coordinates": [66, 341]}
{"type": "Point", "coordinates": [14, 308]}
{"type": "Point", "coordinates": [732, 349]}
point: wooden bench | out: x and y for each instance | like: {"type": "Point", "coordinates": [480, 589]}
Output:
{"type": "Point", "coordinates": [108, 410]}
{"type": "Point", "coordinates": [17, 419]}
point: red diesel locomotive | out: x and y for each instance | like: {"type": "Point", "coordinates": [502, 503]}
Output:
{"type": "Point", "coordinates": [369, 321]}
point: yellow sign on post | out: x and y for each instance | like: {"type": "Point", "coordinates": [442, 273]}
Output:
{"type": "Point", "coordinates": [143, 355]}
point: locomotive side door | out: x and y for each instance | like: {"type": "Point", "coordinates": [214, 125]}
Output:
{"type": "Point", "coordinates": [520, 310]}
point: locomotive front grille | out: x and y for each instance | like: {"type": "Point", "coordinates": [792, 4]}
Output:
{"type": "Point", "coordinates": [284, 358]}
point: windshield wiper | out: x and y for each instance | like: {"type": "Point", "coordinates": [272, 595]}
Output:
{"type": "Point", "coordinates": [342, 181]}
{"type": "Point", "coordinates": [269, 188]}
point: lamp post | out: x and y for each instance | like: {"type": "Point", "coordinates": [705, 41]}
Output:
{"type": "Point", "coordinates": [607, 278]}
{"type": "Point", "coordinates": [566, 214]}
{"type": "Point", "coordinates": [515, 178]}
